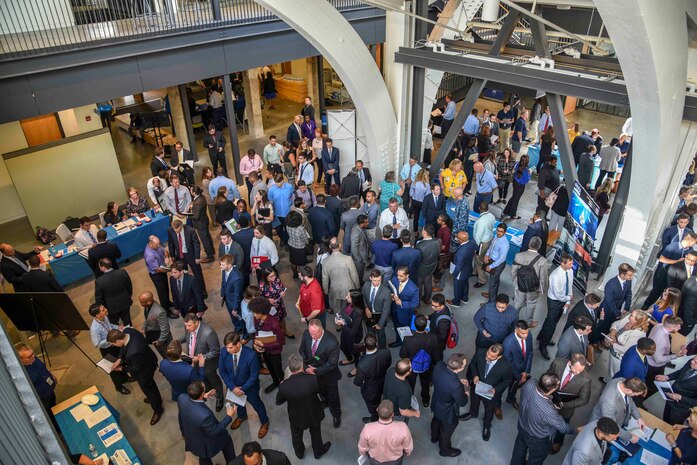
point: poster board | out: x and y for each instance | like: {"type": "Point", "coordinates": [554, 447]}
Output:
{"type": "Point", "coordinates": [341, 129]}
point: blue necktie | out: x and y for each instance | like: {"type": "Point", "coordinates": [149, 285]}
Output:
{"type": "Point", "coordinates": [394, 221]}
{"type": "Point", "coordinates": [372, 298]}
{"type": "Point", "coordinates": [94, 241]}
{"type": "Point", "coordinates": [566, 273]}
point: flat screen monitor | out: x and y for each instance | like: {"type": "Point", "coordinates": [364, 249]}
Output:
{"type": "Point", "coordinates": [584, 210]}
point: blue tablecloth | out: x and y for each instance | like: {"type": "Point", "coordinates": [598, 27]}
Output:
{"type": "Point", "coordinates": [636, 458]}
{"type": "Point", "coordinates": [78, 436]}
{"type": "Point", "coordinates": [72, 266]}
{"type": "Point", "coordinates": [534, 154]}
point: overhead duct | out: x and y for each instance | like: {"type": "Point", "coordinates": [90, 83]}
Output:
{"type": "Point", "coordinates": [490, 11]}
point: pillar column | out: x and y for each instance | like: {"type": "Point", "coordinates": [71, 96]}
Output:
{"type": "Point", "coordinates": [179, 122]}
{"type": "Point", "coordinates": [312, 84]}
{"type": "Point", "coordinates": [250, 82]}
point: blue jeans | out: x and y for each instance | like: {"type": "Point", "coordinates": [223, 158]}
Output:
{"type": "Point", "coordinates": [488, 198]}
{"type": "Point", "coordinates": [256, 402]}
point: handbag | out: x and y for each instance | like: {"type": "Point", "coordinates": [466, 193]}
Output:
{"type": "Point", "coordinates": [551, 198]}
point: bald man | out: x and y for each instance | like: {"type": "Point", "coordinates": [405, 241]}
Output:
{"type": "Point", "coordinates": [157, 261]}
{"type": "Point", "coordinates": [14, 265]}
{"type": "Point", "coordinates": [155, 324]}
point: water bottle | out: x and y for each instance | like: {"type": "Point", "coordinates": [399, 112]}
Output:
{"type": "Point", "coordinates": [93, 451]}
{"type": "Point", "coordinates": [51, 249]}
{"type": "Point", "coordinates": [152, 213]}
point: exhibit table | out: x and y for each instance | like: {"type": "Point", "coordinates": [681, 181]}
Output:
{"type": "Point", "coordinates": [655, 446]}
{"type": "Point", "coordinates": [74, 419]}
{"type": "Point", "coordinates": [72, 266]}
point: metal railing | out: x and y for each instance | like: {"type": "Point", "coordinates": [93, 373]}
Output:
{"type": "Point", "coordinates": [451, 83]}
{"type": "Point", "coordinates": [51, 26]}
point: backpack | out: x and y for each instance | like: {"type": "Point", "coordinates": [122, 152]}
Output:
{"type": "Point", "coordinates": [527, 278]}
{"type": "Point", "coordinates": [421, 362]}
{"type": "Point", "coordinates": [453, 332]}
{"type": "Point", "coordinates": [44, 235]}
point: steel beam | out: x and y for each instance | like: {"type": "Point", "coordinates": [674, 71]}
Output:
{"type": "Point", "coordinates": [551, 81]}
{"type": "Point", "coordinates": [473, 93]}
{"type": "Point", "coordinates": [187, 121]}
{"type": "Point", "coordinates": [232, 128]}
{"type": "Point", "coordinates": [504, 34]}
{"type": "Point", "coordinates": [539, 37]}
{"type": "Point", "coordinates": [418, 82]}
{"type": "Point", "coordinates": [556, 108]}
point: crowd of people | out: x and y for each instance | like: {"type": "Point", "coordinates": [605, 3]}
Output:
{"type": "Point", "coordinates": [363, 254]}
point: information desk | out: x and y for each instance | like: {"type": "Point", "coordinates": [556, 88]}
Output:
{"type": "Point", "coordinates": [652, 446]}
{"type": "Point", "coordinates": [78, 436]}
{"type": "Point", "coordinates": [72, 266]}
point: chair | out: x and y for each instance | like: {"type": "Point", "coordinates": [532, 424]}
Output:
{"type": "Point", "coordinates": [101, 219]}
{"type": "Point", "coordinates": [197, 122]}
{"type": "Point", "coordinates": [64, 233]}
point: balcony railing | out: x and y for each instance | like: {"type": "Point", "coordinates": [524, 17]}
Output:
{"type": "Point", "coordinates": [39, 27]}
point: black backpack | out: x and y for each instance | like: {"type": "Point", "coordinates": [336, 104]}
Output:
{"type": "Point", "coordinates": [527, 278]}
{"type": "Point", "coordinates": [44, 235]}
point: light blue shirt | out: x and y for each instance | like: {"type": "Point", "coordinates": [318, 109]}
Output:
{"type": "Point", "coordinates": [404, 174]}
{"type": "Point", "coordinates": [471, 125]}
{"type": "Point", "coordinates": [281, 199]}
{"type": "Point", "coordinates": [222, 181]}
{"type": "Point", "coordinates": [543, 121]}
{"type": "Point", "coordinates": [306, 172]}
{"type": "Point", "coordinates": [449, 110]}
{"type": "Point", "coordinates": [483, 230]}
{"type": "Point", "coordinates": [99, 331]}
{"type": "Point", "coordinates": [498, 251]}
{"type": "Point", "coordinates": [419, 190]}
{"type": "Point", "coordinates": [247, 317]}
{"type": "Point", "coordinates": [486, 182]}
{"type": "Point", "coordinates": [372, 212]}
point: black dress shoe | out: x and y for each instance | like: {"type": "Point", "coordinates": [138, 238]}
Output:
{"type": "Point", "coordinates": [434, 440]}
{"type": "Point", "coordinates": [486, 434]}
{"type": "Point", "coordinates": [218, 405]}
{"type": "Point", "coordinates": [270, 388]}
{"type": "Point", "coordinates": [466, 416]}
{"type": "Point", "coordinates": [451, 453]}
{"type": "Point", "coordinates": [543, 351]}
{"type": "Point", "coordinates": [300, 456]}
{"type": "Point", "coordinates": [394, 344]}
{"type": "Point", "coordinates": [155, 418]}
{"type": "Point", "coordinates": [514, 403]}
{"type": "Point", "coordinates": [325, 449]}
{"type": "Point", "coordinates": [426, 403]}
{"type": "Point", "coordinates": [478, 285]}
{"type": "Point", "coordinates": [551, 343]}
{"type": "Point", "coordinates": [337, 422]}
{"type": "Point", "coordinates": [123, 390]}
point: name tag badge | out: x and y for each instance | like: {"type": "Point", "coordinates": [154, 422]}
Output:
{"type": "Point", "coordinates": [49, 381]}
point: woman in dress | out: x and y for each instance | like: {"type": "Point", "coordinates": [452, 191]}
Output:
{"type": "Point", "coordinates": [350, 323]}
{"type": "Point", "coordinates": [521, 177]}
{"type": "Point", "coordinates": [419, 189]}
{"type": "Point", "coordinates": [113, 214]}
{"type": "Point", "coordinates": [317, 147]}
{"type": "Point", "coordinates": [547, 142]}
{"type": "Point", "coordinates": [269, 86]}
{"type": "Point", "coordinates": [224, 209]}
{"type": "Point", "coordinates": [452, 177]}
{"type": "Point", "coordinates": [136, 203]}
{"type": "Point", "coordinates": [667, 305]}
{"type": "Point", "coordinates": [444, 235]}
{"type": "Point", "coordinates": [308, 128]}
{"type": "Point", "coordinates": [505, 165]}
{"type": "Point", "coordinates": [262, 211]}
{"type": "Point", "coordinates": [389, 188]}
{"type": "Point", "coordinates": [241, 211]}
{"type": "Point", "coordinates": [602, 198]}
{"type": "Point", "coordinates": [683, 441]}
{"type": "Point", "coordinates": [274, 291]}
{"type": "Point", "coordinates": [625, 333]}
{"type": "Point", "coordinates": [206, 176]}
{"type": "Point", "coordinates": [298, 239]}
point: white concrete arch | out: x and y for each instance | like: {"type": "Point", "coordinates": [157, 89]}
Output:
{"type": "Point", "coordinates": [334, 37]}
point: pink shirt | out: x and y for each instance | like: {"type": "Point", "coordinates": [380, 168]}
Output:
{"type": "Point", "coordinates": [247, 165]}
{"type": "Point", "coordinates": [385, 442]}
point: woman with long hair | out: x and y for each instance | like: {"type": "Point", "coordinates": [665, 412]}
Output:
{"type": "Point", "coordinates": [262, 211]}
{"type": "Point", "coordinates": [667, 305]}
{"type": "Point", "coordinates": [113, 214]}
{"type": "Point", "coordinates": [241, 211]}
{"type": "Point", "coordinates": [350, 323]}
{"type": "Point", "coordinates": [624, 334]}
{"type": "Point", "coordinates": [289, 162]}
{"type": "Point", "coordinates": [273, 290]}
{"type": "Point", "coordinates": [602, 198]}
{"type": "Point", "coordinates": [546, 145]}
{"type": "Point", "coordinates": [521, 177]}
{"type": "Point", "coordinates": [206, 176]}
{"type": "Point", "coordinates": [505, 164]}
{"type": "Point", "coordinates": [298, 240]}
{"type": "Point", "coordinates": [574, 131]}
{"type": "Point", "coordinates": [483, 141]}
{"type": "Point", "coordinates": [419, 189]}
{"type": "Point", "coordinates": [317, 147]}
{"type": "Point", "coordinates": [224, 209]}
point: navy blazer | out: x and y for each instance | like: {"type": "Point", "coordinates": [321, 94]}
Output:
{"type": "Point", "coordinates": [244, 237]}
{"type": "Point", "coordinates": [448, 394]}
{"type": "Point", "coordinates": [103, 250]}
{"type": "Point", "coordinates": [330, 157]}
{"type": "Point", "coordinates": [204, 435]}
{"type": "Point", "coordinates": [322, 223]}
{"type": "Point", "coordinates": [192, 243]}
{"type": "Point", "coordinates": [632, 365]}
{"type": "Point", "coordinates": [513, 353]}
{"type": "Point", "coordinates": [191, 298]}
{"type": "Point", "coordinates": [236, 251]}
{"type": "Point", "coordinates": [615, 297]}
{"type": "Point", "coordinates": [670, 234]}
{"type": "Point", "coordinates": [536, 229]}
{"type": "Point", "coordinates": [410, 302]}
{"type": "Point", "coordinates": [231, 290]}
{"type": "Point", "coordinates": [247, 375]}
{"type": "Point", "coordinates": [408, 256]}
{"type": "Point", "coordinates": [463, 260]}
{"type": "Point", "coordinates": [429, 209]}
{"type": "Point", "coordinates": [180, 375]}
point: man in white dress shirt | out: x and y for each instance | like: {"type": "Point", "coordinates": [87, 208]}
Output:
{"type": "Point", "coordinates": [306, 172]}
{"type": "Point", "coordinates": [396, 217]}
{"type": "Point", "coordinates": [263, 246]}
{"type": "Point", "coordinates": [86, 236]}
{"type": "Point", "coordinates": [559, 296]}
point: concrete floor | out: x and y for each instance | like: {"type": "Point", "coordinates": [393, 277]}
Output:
{"type": "Point", "coordinates": [162, 443]}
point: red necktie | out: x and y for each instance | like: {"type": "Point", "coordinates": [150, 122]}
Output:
{"type": "Point", "coordinates": [176, 201]}
{"type": "Point", "coordinates": [181, 247]}
{"type": "Point", "coordinates": [522, 347]}
{"type": "Point", "coordinates": [546, 124]}
{"type": "Point", "coordinates": [566, 380]}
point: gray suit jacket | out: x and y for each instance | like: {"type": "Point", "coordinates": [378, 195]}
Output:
{"type": "Point", "coordinates": [348, 221]}
{"type": "Point", "coordinates": [541, 267]}
{"type": "Point", "coordinates": [207, 342]}
{"type": "Point", "coordinates": [611, 405]}
{"type": "Point", "coordinates": [585, 450]}
{"type": "Point", "coordinates": [383, 302]}
{"type": "Point", "coordinates": [339, 276]}
{"type": "Point", "coordinates": [360, 246]}
{"type": "Point", "coordinates": [157, 320]}
{"type": "Point", "coordinates": [236, 251]}
{"type": "Point", "coordinates": [569, 344]}
{"type": "Point", "coordinates": [430, 250]}
{"type": "Point", "coordinates": [579, 385]}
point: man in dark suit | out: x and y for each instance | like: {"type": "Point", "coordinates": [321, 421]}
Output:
{"type": "Point", "coordinates": [463, 268]}
{"type": "Point", "coordinates": [294, 133]}
{"type": "Point", "coordinates": [184, 245]}
{"type": "Point", "coordinates": [301, 391]}
{"type": "Point", "coordinates": [103, 249]}
{"type": "Point", "coordinates": [350, 186]}
{"type": "Point", "coordinates": [202, 339]}
{"type": "Point", "coordinates": [239, 367]}
{"type": "Point", "coordinates": [588, 306]}
{"type": "Point", "coordinates": [330, 164]}
{"type": "Point", "coordinates": [244, 238]}
{"type": "Point", "coordinates": [433, 205]}
{"type": "Point", "coordinates": [215, 142]}
{"type": "Point", "coordinates": [334, 205]}
{"type": "Point", "coordinates": [370, 375]}
{"type": "Point", "coordinates": [113, 290]}
{"type": "Point", "coordinates": [348, 221]}
{"type": "Point", "coordinates": [427, 343]}
{"type": "Point", "coordinates": [537, 228]}
{"type": "Point", "coordinates": [618, 297]}
{"type": "Point", "coordinates": [321, 220]}
{"type": "Point", "coordinates": [204, 436]}
{"type": "Point", "coordinates": [407, 255]}
{"type": "Point", "coordinates": [517, 350]}
{"type": "Point", "coordinates": [575, 339]}
{"type": "Point", "coordinates": [378, 301]}
{"type": "Point", "coordinates": [489, 368]}
{"type": "Point", "coordinates": [574, 390]}
{"type": "Point", "coordinates": [38, 280]}
{"type": "Point", "coordinates": [231, 290]}
{"type": "Point", "coordinates": [200, 220]}
{"type": "Point", "coordinates": [228, 246]}
{"type": "Point", "coordinates": [449, 394]}
{"type": "Point", "coordinates": [186, 295]}
{"type": "Point", "coordinates": [634, 362]}
{"type": "Point", "coordinates": [14, 265]}
{"type": "Point", "coordinates": [679, 272]}
{"type": "Point", "coordinates": [319, 350]}
{"type": "Point", "coordinates": [360, 246]}
{"type": "Point", "coordinates": [430, 252]}
{"type": "Point", "coordinates": [580, 145]}
{"type": "Point", "coordinates": [364, 177]}
{"type": "Point", "coordinates": [688, 304]}
{"type": "Point", "coordinates": [158, 162]}
{"type": "Point", "coordinates": [253, 454]}
{"type": "Point", "coordinates": [676, 232]}
{"type": "Point", "coordinates": [180, 154]}
{"type": "Point", "coordinates": [405, 303]}
{"type": "Point", "coordinates": [136, 359]}
{"type": "Point", "coordinates": [684, 395]}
